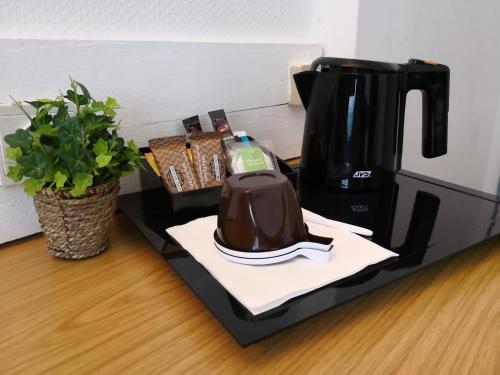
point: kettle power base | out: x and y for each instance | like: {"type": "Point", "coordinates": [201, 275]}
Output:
{"type": "Point", "coordinates": [420, 245]}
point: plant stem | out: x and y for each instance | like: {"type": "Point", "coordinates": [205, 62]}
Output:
{"type": "Point", "coordinates": [77, 99]}
{"type": "Point", "coordinates": [19, 104]}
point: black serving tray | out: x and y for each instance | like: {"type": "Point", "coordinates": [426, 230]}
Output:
{"type": "Point", "coordinates": [182, 203]}
{"type": "Point", "coordinates": [422, 219]}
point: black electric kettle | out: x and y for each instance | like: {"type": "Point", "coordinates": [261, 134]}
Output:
{"type": "Point", "coordinates": [353, 134]}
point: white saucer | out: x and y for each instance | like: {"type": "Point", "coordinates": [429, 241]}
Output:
{"type": "Point", "coordinates": [312, 250]}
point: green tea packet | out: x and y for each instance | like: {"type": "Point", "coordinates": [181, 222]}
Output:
{"type": "Point", "coordinates": [245, 155]}
{"type": "Point", "coordinates": [251, 159]}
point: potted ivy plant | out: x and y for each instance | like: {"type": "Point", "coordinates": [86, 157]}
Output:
{"type": "Point", "coordinates": [70, 160]}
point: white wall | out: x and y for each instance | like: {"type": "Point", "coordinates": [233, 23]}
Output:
{"type": "Point", "coordinates": [154, 80]}
{"type": "Point", "coordinates": [466, 36]}
{"type": "Point", "coordinates": [257, 21]}
{"type": "Point", "coordinates": [338, 23]}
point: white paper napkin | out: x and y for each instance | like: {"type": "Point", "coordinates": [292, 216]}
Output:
{"type": "Point", "coordinates": [261, 288]}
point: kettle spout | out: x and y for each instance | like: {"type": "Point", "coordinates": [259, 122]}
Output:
{"type": "Point", "coordinates": [305, 82]}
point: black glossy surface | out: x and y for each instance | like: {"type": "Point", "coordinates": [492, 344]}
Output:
{"type": "Point", "coordinates": [424, 221]}
{"type": "Point", "coordinates": [353, 134]}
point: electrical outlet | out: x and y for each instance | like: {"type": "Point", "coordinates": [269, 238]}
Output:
{"type": "Point", "coordinates": [294, 98]}
{"type": "Point", "coordinates": [10, 120]}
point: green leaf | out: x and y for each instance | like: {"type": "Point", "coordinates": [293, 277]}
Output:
{"type": "Point", "coordinates": [84, 90]}
{"type": "Point", "coordinates": [44, 129]}
{"type": "Point", "coordinates": [14, 152]}
{"type": "Point", "coordinates": [34, 165]}
{"type": "Point", "coordinates": [61, 150]}
{"type": "Point", "coordinates": [111, 103]}
{"type": "Point", "coordinates": [60, 116]}
{"type": "Point", "coordinates": [109, 106]}
{"type": "Point", "coordinates": [40, 119]}
{"type": "Point", "coordinates": [21, 138]}
{"type": "Point", "coordinates": [102, 123]}
{"type": "Point", "coordinates": [44, 111]}
{"type": "Point", "coordinates": [116, 143]}
{"type": "Point", "coordinates": [131, 144]}
{"type": "Point", "coordinates": [97, 106]}
{"type": "Point", "coordinates": [49, 151]}
{"type": "Point", "coordinates": [35, 103]}
{"type": "Point", "coordinates": [72, 97]}
{"type": "Point", "coordinates": [49, 175]}
{"type": "Point", "coordinates": [71, 131]}
{"type": "Point", "coordinates": [109, 112]}
{"type": "Point", "coordinates": [81, 182]}
{"type": "Point", "coordinates": [103, 160]}
{"type": "Point", "coordinates": [47, 129]}
{"type": "Point", "coordinates": [59, 102]}
{"type": "Point", "coordinates": [76, 158]}
{"type": "Point", "coordinates": [33, 185]}
{"type": "Point", "coordinates": [100, 147]}
{"type": "Point", "coordinates": [42, 102]}
{"type": "Point", "coordinates": [15, 173]}
{"type": "Point", "coordinates": [60, 179]}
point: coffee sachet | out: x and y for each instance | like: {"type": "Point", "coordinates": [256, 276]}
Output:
{"type": "Point", "coordinates": [173, 162]}
{"type": "Point", "coordinates": [219, 122]}
{"type": "Point", "coordinates": [192, 125]}
{"type": "Point", "coordinates": [208, 159]}
{"type": "Point", "coordinates": [222, 127]}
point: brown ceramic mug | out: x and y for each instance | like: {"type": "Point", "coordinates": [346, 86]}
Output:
{"type": "Point", "coordinates": [259, 211]}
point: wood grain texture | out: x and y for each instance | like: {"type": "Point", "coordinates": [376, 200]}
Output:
{"type": "Point", "coordinates": [126, 311]}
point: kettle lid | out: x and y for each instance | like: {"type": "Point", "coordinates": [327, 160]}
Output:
{"type": "Point", "coordinates": [339, 65]}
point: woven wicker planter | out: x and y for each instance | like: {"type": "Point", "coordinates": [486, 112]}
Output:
{"type": "Point", "coordinates": [77, 228]}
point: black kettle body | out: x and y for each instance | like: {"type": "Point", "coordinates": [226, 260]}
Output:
{"type": "Point", "coordinates": [353, 132]}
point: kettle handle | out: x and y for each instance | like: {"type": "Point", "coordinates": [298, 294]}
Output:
{"type": "Point", "coordinates": [329, 62]}
{"type": "Point", "coordinates": [434, 82]}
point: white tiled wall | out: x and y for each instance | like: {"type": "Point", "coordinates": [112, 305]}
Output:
{"type": "Point", "coordinates": [269, 21]}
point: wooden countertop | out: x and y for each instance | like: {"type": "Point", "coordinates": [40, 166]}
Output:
{"type": "Point", "coordinates": [126, 311]}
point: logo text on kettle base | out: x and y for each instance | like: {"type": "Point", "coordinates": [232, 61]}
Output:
{"type": "Point", "coordinates": [362, 174]}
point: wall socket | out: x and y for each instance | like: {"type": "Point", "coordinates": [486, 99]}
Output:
{"type": "Point", "coordinates": [294, 98]}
